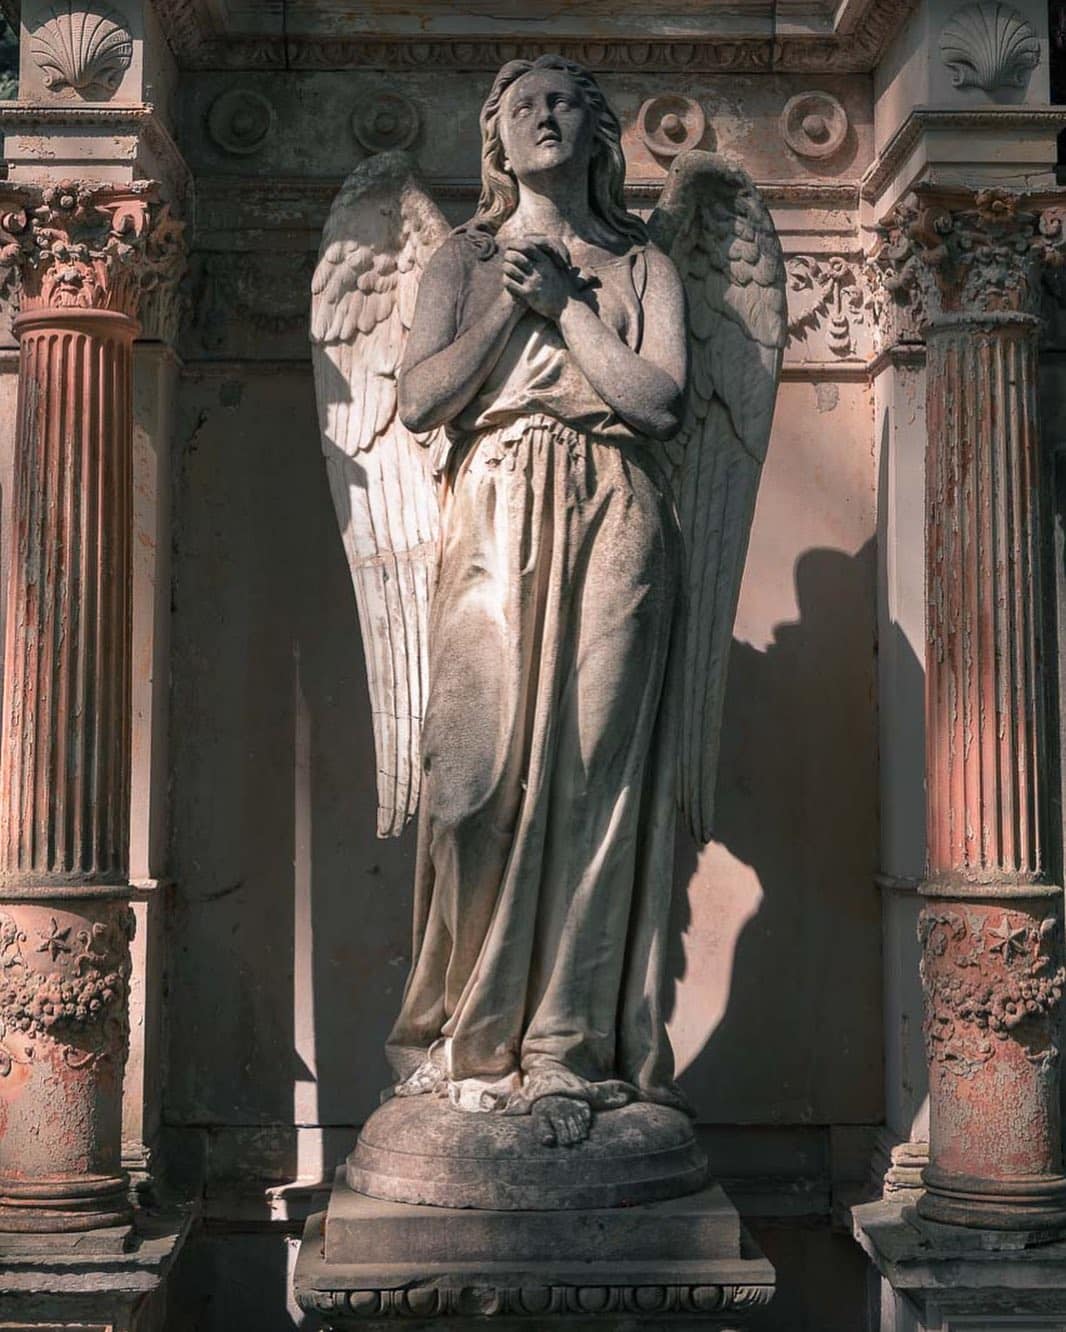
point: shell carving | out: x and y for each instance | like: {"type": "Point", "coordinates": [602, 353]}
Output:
{"type": "Point", "coordinates": [87, 50]}
{"type": "Point", "coordinates": [989, 46]}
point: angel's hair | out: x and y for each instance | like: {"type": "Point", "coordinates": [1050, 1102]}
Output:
{"type": "Point", "coordinates": [607, 170]}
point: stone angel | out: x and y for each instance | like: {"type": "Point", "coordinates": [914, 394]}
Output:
{"type": "Point", "coordinates": [544, 431]}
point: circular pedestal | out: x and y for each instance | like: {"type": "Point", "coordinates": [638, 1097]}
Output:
{"type": "Point", "coordinates": [420, 1150]}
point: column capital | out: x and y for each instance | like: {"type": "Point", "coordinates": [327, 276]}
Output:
{"type": "Point", "coordinates": [949, 256]}
{"type": "Point", "coordinates": [86, 245]}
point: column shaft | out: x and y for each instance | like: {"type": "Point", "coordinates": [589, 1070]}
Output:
{"type": "Point", "coordinates": [64, 776]}
{"type": "Point", "coordinates": [64, 764]}
{"type": "Point", "coordinates": [991, 929]}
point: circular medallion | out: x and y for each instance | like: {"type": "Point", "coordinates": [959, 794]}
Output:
{"type": "Point", "coordinates": [670, 124]}
{"type": "Point", "coordinates": [814, 124]}
{"type": "Point", "coordinates": [240, 121]}
{"type": "Point", "coordinates": [386, 122]}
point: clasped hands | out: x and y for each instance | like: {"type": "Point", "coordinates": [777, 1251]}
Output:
{"type": "Point", "coordinates": [537, 271]}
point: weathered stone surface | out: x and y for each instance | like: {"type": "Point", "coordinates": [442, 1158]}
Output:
{"type": "Point", "coordinates": [84, 254]}
{"type": "Point", "coordinates": [420, 1150]}
{"type": "Point", "coordinates": [940, 1277]}
{"type": "Point", "coordinates": [88, 1279]}
{"type": "Point", "coordinates": [368, 1262]}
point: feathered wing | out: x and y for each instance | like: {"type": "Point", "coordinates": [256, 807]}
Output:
{"type": "Point", "coordinates": [379, 236]}
{"type": "Point", "coordinates": [714, 226]}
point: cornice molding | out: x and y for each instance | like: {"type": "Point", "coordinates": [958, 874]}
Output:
{"type": "Point", "coordinates": [198, 45]}
{"type": "Point", "coordinates": [902, 143]}
{"type": "Point", "coordinates": [140, 120]}
{"type": "Point", "coordinates": [308, 198]}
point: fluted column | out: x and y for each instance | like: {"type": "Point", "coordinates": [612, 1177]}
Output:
{"type": "Point", "coordinates": [992, 923]}
{"type": "Point", "coordinates": [85, 255]}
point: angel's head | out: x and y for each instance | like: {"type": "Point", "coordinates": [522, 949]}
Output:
{"type": "Point", "coordinates": [584, 131]}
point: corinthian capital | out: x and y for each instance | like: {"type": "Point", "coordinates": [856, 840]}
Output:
{"type": "Point", "coordinates": [83, 245]}
{"type": "Point", "coordinates": [949, 253]}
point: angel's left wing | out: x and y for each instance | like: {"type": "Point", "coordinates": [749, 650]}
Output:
{"type": "Point", "coordinates": [714, 226]}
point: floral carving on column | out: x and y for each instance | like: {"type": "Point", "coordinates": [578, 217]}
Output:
{"type": "Point", "coordinates": [970, 268]}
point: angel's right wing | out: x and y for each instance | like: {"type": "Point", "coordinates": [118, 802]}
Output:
{"type": "Point", "coordinates": [380, 234]}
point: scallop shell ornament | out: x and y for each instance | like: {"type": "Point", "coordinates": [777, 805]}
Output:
{"type": "Point", "coordinates": [85, 49]}
{"type": "Point", "coordinates": [989, 46]}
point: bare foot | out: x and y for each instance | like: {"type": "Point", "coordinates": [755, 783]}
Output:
{"type": "Point", "coordinates": [561, 1121]}
{"type": "Point", "coordinates": [426, 1078]}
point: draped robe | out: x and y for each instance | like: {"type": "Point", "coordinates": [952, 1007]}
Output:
{"type": "Point", "coordinates": [546, 824]}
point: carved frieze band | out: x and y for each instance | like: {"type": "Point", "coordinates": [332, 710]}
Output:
{"type": "Point", "coordinates": [190, 33]}
{"type": "Point", "coordinates": [83, 245]}
{"type": "Point", "coordinates": [344, 1308]}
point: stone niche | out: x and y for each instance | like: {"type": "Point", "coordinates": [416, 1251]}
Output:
{"type": "Point", "coordinates": [273, 932]}
{"type": "Point", "coordinates": [775, 985]}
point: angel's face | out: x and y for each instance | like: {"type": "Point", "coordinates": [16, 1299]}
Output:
{"type": "Point", "coordinates": [545, 124]}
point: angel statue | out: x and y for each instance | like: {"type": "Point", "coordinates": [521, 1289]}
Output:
{"type": "Point", "coordinates": [545, 473]}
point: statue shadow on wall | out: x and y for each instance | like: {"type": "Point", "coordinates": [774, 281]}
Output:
{"type": "Point", "coordinates": [799, 1038]}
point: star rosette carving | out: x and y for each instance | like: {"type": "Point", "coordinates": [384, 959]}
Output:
{"type": "Point", "coordinates": [81, 245]}
{"type": "Point", "coordinates": [78, 989]}
{"type": "Point", "coordinates": [988, 975]}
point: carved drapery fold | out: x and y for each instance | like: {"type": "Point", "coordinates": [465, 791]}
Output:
{"type": "Point", "coordinates": [86, 256]}
{"type": "Point", "coordinates": [991, 931]}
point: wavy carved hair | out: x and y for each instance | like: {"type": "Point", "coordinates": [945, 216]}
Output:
{"type": "Point", "coordinates": [607, 169]}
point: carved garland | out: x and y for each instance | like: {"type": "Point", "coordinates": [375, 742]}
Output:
{"type": "Point", "coordinates": [983, 980]}
{"type": "Point", "coordinates": [830, 292]}
{"type": "Point", "coordinates": [84, 988]}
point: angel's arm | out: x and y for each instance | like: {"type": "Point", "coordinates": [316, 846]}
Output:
{"type": "Point", "coordinates": [645, 388]}
{"type": "Point", "coordinates": [441, 373]}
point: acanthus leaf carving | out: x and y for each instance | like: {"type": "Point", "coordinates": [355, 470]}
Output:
{"type": "Point", "coordinates": [83, 245]}
{"type": "Point", "coordinates": [977, 254]}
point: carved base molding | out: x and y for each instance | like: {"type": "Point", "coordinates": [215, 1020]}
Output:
{"type": "Point", "coordinates": [371, 1264]}
{"type": "Point", "coordinates": [938, 1278]}
{"type": "Point", "coordinates": [88, 1283]}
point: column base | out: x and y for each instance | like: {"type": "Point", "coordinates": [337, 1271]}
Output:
{"type": "Point", "coordinates": [111, 1279]}
{"type": "Point", "coordinates": [371, 1264]}
{"type": "Point", "coordinates": [1032, 1204]}
{"type": "Point", "coordinates": [55, 1207]}
{"type": "Point", "coordinates": [927, 1277]}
